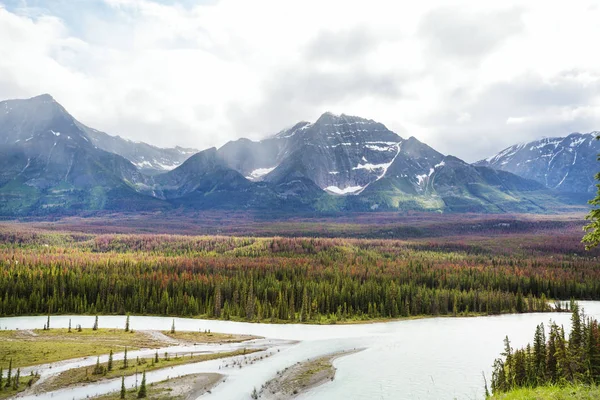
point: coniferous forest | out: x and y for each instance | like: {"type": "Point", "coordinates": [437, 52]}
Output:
{"type": "Point", "coordinates": [553, 358]}
{"type": "Point", "coordinates": [287, 279]}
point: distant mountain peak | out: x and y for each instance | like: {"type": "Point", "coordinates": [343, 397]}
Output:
{"type": "Point", "coordinates": [43, 97]}
{"type": "Point", "coordinates": [562, 163]}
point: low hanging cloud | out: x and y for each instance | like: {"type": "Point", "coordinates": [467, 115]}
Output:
{"type": "Point", "coordinates": [467, 77]}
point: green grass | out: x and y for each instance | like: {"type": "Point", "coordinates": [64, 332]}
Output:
{"type": "Point", "coordinates": [35, 347]}
{"type": "Point", "coordinates": [24, 383]}
{"type": "Point", "coordinates": [85, 374]}
{"type": "Point", "coordinates": [578, 392]}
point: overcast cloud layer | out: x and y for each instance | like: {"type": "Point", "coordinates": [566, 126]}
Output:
{"type": "Point", "coordinates": [468, 78]}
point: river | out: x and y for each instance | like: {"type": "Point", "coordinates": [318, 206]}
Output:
{"type": "Point", "coordinates": [431, 358]}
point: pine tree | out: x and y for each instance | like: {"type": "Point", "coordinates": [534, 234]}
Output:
{"type": "Point", "coordinates": [98, 369]}
{"type": "Point", "coordinates": [156, 357]}
{"type": "Point", "coordinates": [173, 327]}
{"type": "Point", "coordinates": [123, 391]}
{"type": "Point", "coordinates": [69, 325]}
{"type": "Point", "coordinates": [218, 300]}
{"type": "Point", "coordinates": [48, 323]}
{"type": "Point", "coordinates": [142, 391]}
{"type": "Point", "coordinates": [109, 366]}
{"type": "Point", "coordinates": [592, 236]}
{"type": "Point", "coordinates": [539, 353]}
{"type": "Point", "coordinates": [125, 364]}
{"type": "Point", "coordinates": [305, 306]}
{"type": "Point", "coordinates": [9, 374]}
{"type": "Point", "coordinates": [127, 323]}
{"type": "Point", "coordinates": [551, 361]}
{"type": "Point", "coordinates": [17, 379]}
{"type": "Point", "coordinates": [95, 327]}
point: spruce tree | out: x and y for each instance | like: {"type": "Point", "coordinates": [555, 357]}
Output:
{"type": "Point", "coordinates": [109, 366]}
{"type": "Point", "coordinates": [156, 357]}
{"type": "Point", "coordinates": [1, 377]}
{"type": "Point", "coordinates": [48, 323]}
{"type": "Point", "coordinates": [17, 379]}
{"type": "Point", "coordinates": [9, 374]}
{"type": "Point", "coordinates": [125, 364]}
{"type": "Point", "coordinates": [173, 327]}
{"type": "Point", "coordinates": [69, 325]}
{"type": "Point", "coordinates": [592, 236]}
{"type": "Point", "coordinates": [142, 391]}
{"type": "Point", "coordinates": [127, 323]}
{"type": "Point", "coordinates": [123, 391]}
{"type": "Point", "coordinates": [95, 327]}
{"type": "Point", "coordinates": [539, 353]}
{"type": "Point", "coordinates": [98, 370]}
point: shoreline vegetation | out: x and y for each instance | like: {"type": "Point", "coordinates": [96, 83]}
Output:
{"type": "Point", "coordinates": [188, 387]}
{"type": "Point", "coordinates": [554, 366]}
{"type": "Point", "coordinates": [28, 348]}
{"type": "Point", "coordinates": [123, 367]}
{"type": "Point", "coordinates": [301, 377]}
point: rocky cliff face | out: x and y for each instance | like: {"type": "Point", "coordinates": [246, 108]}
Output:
{"type": "Point", "coordinates": [567, 164]}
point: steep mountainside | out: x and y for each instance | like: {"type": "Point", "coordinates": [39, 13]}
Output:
{"type": "Point", "coordinates": [48, 164]}
{"type": "Point", "coordinates": [149, 159]}
{"type": "Point", "coordinates": [567, 164]}
{"type": "Point", "coordinates": [51, 163]}
{"type": "Point", "coordinates": [342, 154]}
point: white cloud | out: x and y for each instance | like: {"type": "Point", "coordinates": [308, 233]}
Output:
{"type": "Point", "coordinates": [467, 77]}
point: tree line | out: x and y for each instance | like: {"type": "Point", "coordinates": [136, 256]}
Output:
{"type": "Point", "coordinates": [278, 279]}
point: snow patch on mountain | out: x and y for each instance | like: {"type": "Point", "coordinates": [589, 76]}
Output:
{"type": "Point", "coordinates": [346, 190]}
{"type": "Point", "coordinates": [259, 173]}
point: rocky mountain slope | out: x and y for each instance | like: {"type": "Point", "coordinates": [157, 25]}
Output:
{"type": "Point", "coordinates": [48, 163]}
{"type": "Point", "coordinates": [51, 163]}
{"type": "Point", "coordinates": [567, 164]}
{"type": "Point", "coordinates": [149, 159]}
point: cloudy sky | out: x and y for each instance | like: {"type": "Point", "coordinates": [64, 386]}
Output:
{"type": "Point", "coordinates": [466, 77]}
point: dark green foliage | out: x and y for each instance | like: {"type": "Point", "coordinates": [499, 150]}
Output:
{"type": "Point", "coordinates": [127, 323]}
{"type": "Point", "coordinates": [125, 361]}
{"type": "Point", "coordinates": [555, 361]}
{"type": "Point", "coordinates": [592, 237]}
{"type": "Point", "coordinates": [142, 392]}
{"type": "Point", "coordinates": [95, 327]}
{"type": "Point", "coordinates": [280, 279]}
{"type": "Point", "coordinates": [109, 366]}
{"type": "Point", "coordinates": [123, 390]}
{"type": "Point", "coordinates": [98, 369]}
{"type": "Point", "coordinates": [9, 374]}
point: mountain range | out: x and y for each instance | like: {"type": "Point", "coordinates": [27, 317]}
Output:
{"type": "Point", "coordinates": [50, 163]}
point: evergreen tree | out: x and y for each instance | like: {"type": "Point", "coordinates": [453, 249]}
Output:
{"type": "Point", "coordinates": [95, 327]}
{"type": "Point", "coordinates": [123, 391]}
{"type": "Point", "coordinates": [127, 323]}
{"type": "Point", "coordinates": [9, 374]}
{"type": "Point", "coordinates": [48, 323]}
{"type": "Point", "coordinates": [305, 306]}
{"type": "Point", "coordinates": [98, 369]}
{"type": "Point", "coordinates": [17, 379]}
{"type": "Point", "coordinates": [109, 366]}
{"type": "Point", "coordinates": [125, 363]}
{"type": "Point", "coordinates": [156, 357]}
{"type": "Point", "coordinates": [142, 391]}
{"type": "Point", "coordinates": [173, 327]}
{"type": "Point", "coordinates": [539, 353]}
{"type": "Point", "coordinates": [592, 236]}
{"type": "Point", "coordinates": [218, 301]}
{"type": "Point", "coordinates": [1, 377]}
{"type": "Point", "coordinates": [69, 325]}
